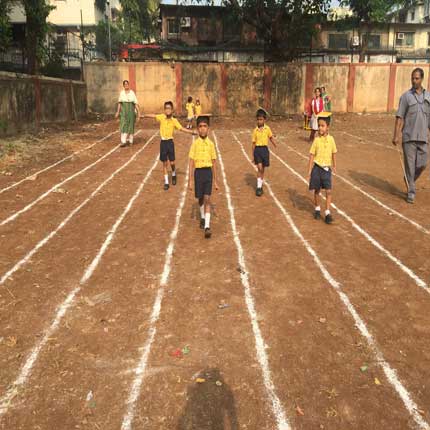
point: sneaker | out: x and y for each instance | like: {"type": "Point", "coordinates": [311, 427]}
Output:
{"type": "Point", "coordinates": [317, 215]}
{"type": "Point", "coordinates": [166, 187]}
{"type": "Point", "coordinates": [410, 200]}
{"type": "Point", "coordinates": [174, 180]}
{"type": "Point", "coordinates": [208, 233]}
{"type": "Point", "coordinates": [259, 192]}
{"type": "Point", "coordinates": [202, 223]}
{"type": "Point", "coordinates": [328, 219]}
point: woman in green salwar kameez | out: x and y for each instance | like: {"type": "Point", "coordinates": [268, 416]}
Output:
{"type": "Point", "coordinates": [128, 113]}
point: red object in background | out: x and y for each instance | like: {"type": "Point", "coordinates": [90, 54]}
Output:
{"type": "Point", "coordinates": [141, 50]}
{"type": "Point", "coordinates": [308, 108]}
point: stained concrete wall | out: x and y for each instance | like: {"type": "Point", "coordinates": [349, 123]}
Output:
{"type": "Point", "coordinates": [26, 101]}
{"type": "Point", "coordinates": [238, 89]}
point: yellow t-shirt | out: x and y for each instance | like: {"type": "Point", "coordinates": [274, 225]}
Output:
{"type": "Point", "coordinates": [261, 136]}
{"type": "Point", "coordinates": [190, 110]}
{"type": "Point", "coordinates": [202, 152]}
{"type": "Point", "coordinates": [198, 110]}
{"type": "Point", "coordinates": [167, 126]}
{"type": "Point", "coordinates": [323, 149]}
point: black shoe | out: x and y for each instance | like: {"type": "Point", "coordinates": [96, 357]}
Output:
{"type": "Point", "coordinates": [317, 215]}
{"type": "Point", "coordinates": [173, 180]}
{"type": "Point", "coordinates": [328, 219]}
{"type": "Point", "coordinates": [259, 192]}
{"type": "Point", "coordinates": [202, 223]}
{"type": "Point", "coordinates": [208, 233]}
{"type": "Point", "coordinates": [166, 187]}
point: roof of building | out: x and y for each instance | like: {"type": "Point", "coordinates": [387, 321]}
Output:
{"type": "Point", "coordinates": [216, 3]}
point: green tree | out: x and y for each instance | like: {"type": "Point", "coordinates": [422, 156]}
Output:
{"type": "Point", "coordinates": [286, 26]}
{"type": "Point", "coordinates": [5, 26]}
{"type": "Point", "coordinates": [142, 14]}
{"type": "Point", "coordinates": [368, 14]}
{"type": "Point", "coordinates": [37, 29]}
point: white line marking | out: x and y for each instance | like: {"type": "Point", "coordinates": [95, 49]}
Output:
{"type": "Point", "coordinates": [48, 237]}
{"type": "Point", "coordinates": [390, 373]}
{"type": "Point", "coordinates": [260, 345]}
{"type": "Point", "coordinates": [46, 193]}
{"type": "Point", "coordinates": [418, 281]}
{"type": "Point", "coordinates": [24, 373]}
{"type": "Point", "coordinates": [56, 163]}
{"type": "Point", "coordinates": [140, 369]}
{"type": "Point", "coordinates": [371, 197]}
{"type": "Point", "coordinates": [367, 142]}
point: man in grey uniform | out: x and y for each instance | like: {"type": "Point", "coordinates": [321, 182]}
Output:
{"type": "Point", "coordinates": [412, 124]}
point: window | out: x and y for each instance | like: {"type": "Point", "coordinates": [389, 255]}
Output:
{"type": "Point", "coordinates": [413, 15]}
{"type": "Point", "coordinates": [172, 26]}
{"type": "Point", "coordinates": [405, 39]}
{"type": "Point", "coordinates": [428, 39]}
{"type": "Point", "coordinates": [373, 41]}
{"type": "Point", "coordinates": [338, 41]}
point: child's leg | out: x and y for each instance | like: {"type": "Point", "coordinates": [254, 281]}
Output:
{"type": "Point", "coordinates": [317, 200]}
{"type": "Point", "coordinates": [328, 201]}
{"type": "Point", "coordinates": [173, 167]}
{"type": "Point", "coordinates": [207, 204]}
{"type": "Point", "coordinates": [260, 175]}
{"type": "Point", "coordinates": [312, 136]}
{"type": "Point", "coordinates": [202, 208]}
{"type": "Point", "coordinates": [166, 176]}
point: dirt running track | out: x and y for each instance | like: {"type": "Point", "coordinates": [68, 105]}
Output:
{"type": "Point", "coordinates": [285, 323]}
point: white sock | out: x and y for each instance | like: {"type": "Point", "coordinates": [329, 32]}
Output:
{"type": "Point", "coordinates": [130, 138]}
{"type": "Point", "coordinates": [173, 172]}
{"type": "Point", "coordinates": [259, 183]}
{"type": "Point", "coordinates": [166, 179]}
{"type": "Point", "coordinates": [202, 211]}
{"type": "Point", "coordinates": [207, 219]}
{"type": "Point", "coordinates": [123, 138]}
{"type": "Point", "coordinates": [327, 212]}
{"type": "Point", "coordinates": [318, 208]}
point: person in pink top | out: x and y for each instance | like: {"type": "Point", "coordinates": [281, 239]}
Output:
{"type": "Point", "coordinates": [317, 106]}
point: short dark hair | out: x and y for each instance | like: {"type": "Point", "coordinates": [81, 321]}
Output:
{"type": "Point", "coordinates": [418, 70]}
{"type": "Point", "coordinates": [203, 118]}
{"type": "Point", "coordinates": [326, 119]}
{"type": "Point", "coordinates": [190, 99]}
{"type": "Point", "coordinates": [261, 113]}
{"type": "Point", "coordinates": [124, 81]}
{"type": "Point", "coordinates": [169, 103]}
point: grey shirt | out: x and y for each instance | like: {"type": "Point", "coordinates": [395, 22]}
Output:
{"type": "Point", "coordinates": [414, 109]}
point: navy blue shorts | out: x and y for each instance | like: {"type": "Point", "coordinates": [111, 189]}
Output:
{"type": "Point", "coordinates": [203, 182]}
{"type": "Point", "coordinates": [320, 178]}
{"type": "Point", "coordinates": [262, 155]}
{"type": "Point", "coordinates": [167, 150]}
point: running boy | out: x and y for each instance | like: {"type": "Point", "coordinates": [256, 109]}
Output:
{"type": "Point", "coordinates": [190, 112]}
{"type": "Point", "coordinates": [322, 161]}
{"type": "Point", "coordinates": [260, 141]}
{"type": "Point", "coordinates": [168, 124]}
{"type": "Point", "coordinates": [203, 170]}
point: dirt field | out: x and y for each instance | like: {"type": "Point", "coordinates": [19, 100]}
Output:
{"type": "Point", "coordinates": [116, 313]}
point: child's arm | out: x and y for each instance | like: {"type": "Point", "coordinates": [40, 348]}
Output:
{"type": "Point", "coordinates": [118, 110]}
{"type": "Point", "coordinates": [148, 115]}
{"type": "Point", "coordinates": [136, 109]}
{"type": "Point", "coordinates": [311, 165]}
{"type": "Point", "coordinates": [185, 130]}
{"type": "Point", "coordinates": [191, 170]}
{"type": "Point", "coordinates": [334, 162]}
{"type": "Point", "coordinates": [214, 170]}
{"type": "Point", "coordinates": [272, 139]}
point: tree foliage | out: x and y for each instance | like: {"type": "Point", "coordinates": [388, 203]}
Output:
{"type": "Point", "coordinates": [286, 26]}
{"type": "Point", "coordinates": [5, 26]}
{"type": "Point", "coordinates": [142, 15]}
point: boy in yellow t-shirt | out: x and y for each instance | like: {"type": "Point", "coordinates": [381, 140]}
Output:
{"type": "Point", "coordinates": [197, 108]}
{"type": "Point", "coordinates": [260, 151]}
{"type": "Point", "coordinates": [168, 125]}
{"type": "Point", "coordinates": [203, 170]}
{"type": "Point", "coordinates": [190, 112]}
{"type": "Point", "coordinates": [322, 161]}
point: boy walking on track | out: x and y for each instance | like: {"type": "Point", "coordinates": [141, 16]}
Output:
{"type": "Point", "coordinates": [168, 124]}
{"type": "Point", "coordinates": [322, 161]}
{"type": "Point", "coordinates": [203, 170]}
{"type": "Point", "coordinates": [260, 141]}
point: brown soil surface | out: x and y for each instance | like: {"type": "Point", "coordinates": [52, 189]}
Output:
{"type": "Point", "coordinates": [314, 350]}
